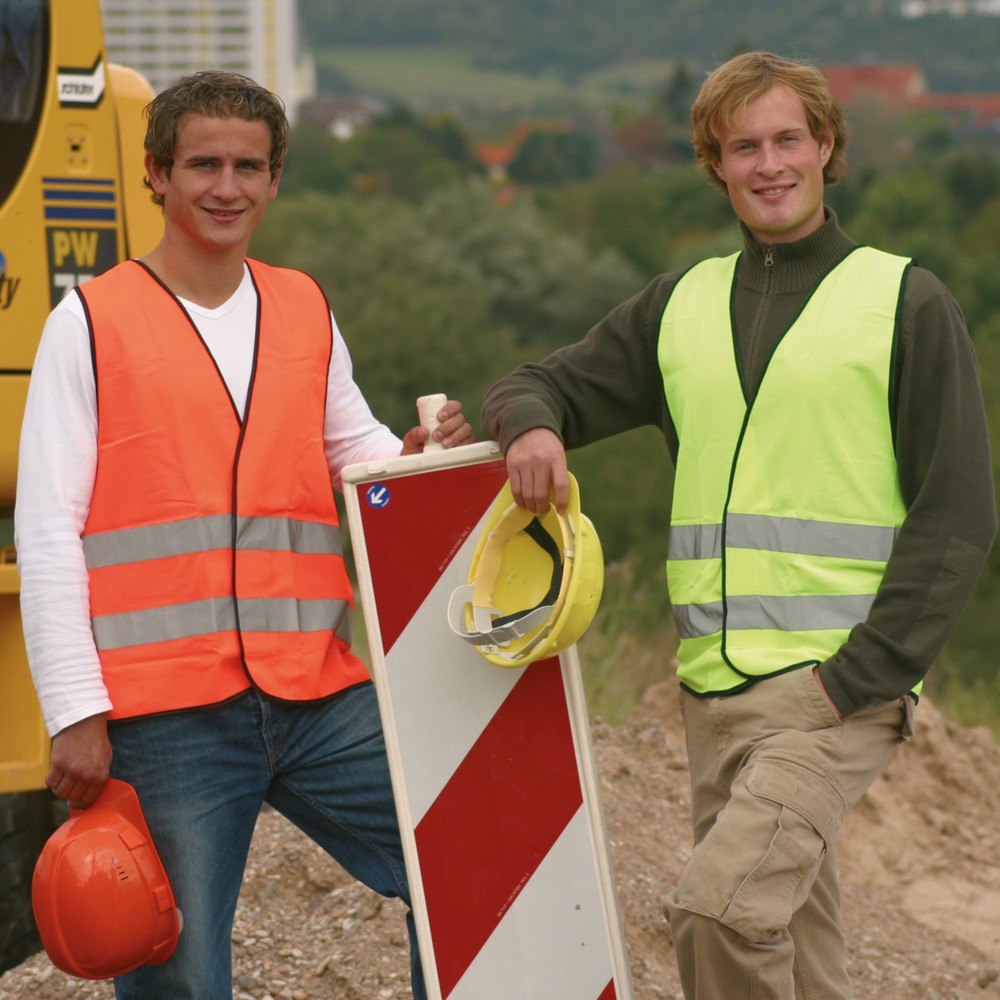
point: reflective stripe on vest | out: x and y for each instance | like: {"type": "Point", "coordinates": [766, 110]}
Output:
{"type": "Point", "coordinates": [188, 618]}
{"type": "Point", "coordinates": [213, 545]}
{"type": "Point", "coordinates": [786, 508]}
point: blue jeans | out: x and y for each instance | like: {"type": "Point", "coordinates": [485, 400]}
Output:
{"type": "Point", "coordinates": [202, 777]}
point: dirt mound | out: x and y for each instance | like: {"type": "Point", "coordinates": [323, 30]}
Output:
{"type": "Point", "coordinates": [920, 862]}
{"type": "Point", "coordinates": [919, 856]}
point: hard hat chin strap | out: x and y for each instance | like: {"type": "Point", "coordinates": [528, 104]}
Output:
{"type": "Point", "coordinates": [546, 542]}
{"type": "Point", "coordinates": [490, 627]}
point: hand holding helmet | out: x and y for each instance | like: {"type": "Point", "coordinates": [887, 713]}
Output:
{"type": "Point", "coordinates": [534, 584]}
{"type": "Point", "coordinates": [102, 900]}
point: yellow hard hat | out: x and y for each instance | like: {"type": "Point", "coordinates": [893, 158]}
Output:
{"type": "Point", "coordinates": [534, 583]}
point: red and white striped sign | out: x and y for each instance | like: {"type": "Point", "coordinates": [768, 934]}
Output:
{"type": "Point", "coordinates": [492, 768]}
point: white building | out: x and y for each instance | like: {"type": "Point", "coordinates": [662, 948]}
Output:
{"type": "Point", "coordinates": [164, 39]}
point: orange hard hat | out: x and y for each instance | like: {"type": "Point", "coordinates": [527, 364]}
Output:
{"type": "Point", "coordinates": [102, 900]}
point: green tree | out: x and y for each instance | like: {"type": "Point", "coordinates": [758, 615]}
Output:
{"type": "Point", "coordinates": [401, 155]}
{"type": "Point", "coordinates": [616, 210]}
{"type": "Point", "coordinates": [409, 339]}
{"type": "Point", "coordinates": [315, 162]}
{"type": "Point", "coordinates": [965, 680]}
{"type": "Point", "coordinates": [976, 283]}
{"type": "Point", "coordinates": [397, 160]}
{"type": "Point", "coordinates": [909, 212]}
{"type": "Point", "coordinates": [931, 133]}
{"type": "Point", "coordinates": [410, 328]}
{"type": "Point", "coordinates": [545, 287]}
{"type": "Point", "coordinates": [452, 140]}
{"type": "Point", "coordinates": [555, 157]}
{"type": "Point", "coordinates": [626, 483]}
{"type": "Point", "coordinates": [675, 98]}
{"type": "Point", "coordinates": [650, 218]}
{"type": "Point", "coordinates": [461, 283]}
{"type": "Point", "coordinates": [972, 177]}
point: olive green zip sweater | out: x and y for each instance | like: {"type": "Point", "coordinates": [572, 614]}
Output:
{"type": "Point", "coordinates": [610, 382]}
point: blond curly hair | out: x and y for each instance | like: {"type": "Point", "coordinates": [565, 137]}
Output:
{"type": "Point", "coordinates": [744, 78]}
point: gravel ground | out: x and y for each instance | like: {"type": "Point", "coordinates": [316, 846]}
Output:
{"type": "Point", "coordinates": [920, 862]}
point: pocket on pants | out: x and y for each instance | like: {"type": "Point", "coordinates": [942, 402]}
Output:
{"type": "Point", "coordinates": [766, 899]}
{"type": "Point", "coordinates": [791, 817]}
{"type": "Point", "coordinates": [815, 798]}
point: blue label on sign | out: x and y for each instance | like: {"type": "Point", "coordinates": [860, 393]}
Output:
{"type": "Point", "coordinates": [378, 495]}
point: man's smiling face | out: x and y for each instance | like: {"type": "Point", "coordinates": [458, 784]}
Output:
{"type": "Point", "coordinates": [772, 167]}
{"type": "Point", "coordinates": [219, 183]}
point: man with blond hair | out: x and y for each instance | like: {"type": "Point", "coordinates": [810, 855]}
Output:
{"type": "Point", "coordinates": [832, 509]}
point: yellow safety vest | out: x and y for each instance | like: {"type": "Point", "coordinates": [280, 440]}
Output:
{"type": "Point", "coordinates": [786, 507]}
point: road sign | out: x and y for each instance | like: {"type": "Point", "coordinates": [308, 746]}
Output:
{"type": "Point", "coordinates": [493, 768]}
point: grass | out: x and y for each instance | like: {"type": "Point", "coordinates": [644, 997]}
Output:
{"type": "Point", "coordinates": [965, 696]}
{"type": "Point", "coordinates": [631, 643]}
{"type": "Point", "coordinates": [429, 79]}
{"type": "Point", "coordinates": [629, 646]}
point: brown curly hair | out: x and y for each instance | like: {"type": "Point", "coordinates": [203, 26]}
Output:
{"type": "Point", "coordinates": [744, 78]}
{"type": "Point", "coordinates": [215, 94]}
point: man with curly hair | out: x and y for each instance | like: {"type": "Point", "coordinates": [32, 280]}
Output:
{"type": "Point", "coordinates": [832, 509]}
{"type": "Point", "coordinates": [185, 600]}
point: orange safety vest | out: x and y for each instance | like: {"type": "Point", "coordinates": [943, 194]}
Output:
{"type": "Point", "coordinates": [213, 544]}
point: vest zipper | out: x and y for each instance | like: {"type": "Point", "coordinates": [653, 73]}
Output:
{"type": "Point", "coordinates": [763, 307]}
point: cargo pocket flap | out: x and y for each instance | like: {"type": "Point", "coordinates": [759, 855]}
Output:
{"type": "Point", "coordinates": [812, 796]}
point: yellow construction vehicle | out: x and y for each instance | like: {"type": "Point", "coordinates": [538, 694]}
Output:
{"type": "Point", "coordinates": [72, 204]}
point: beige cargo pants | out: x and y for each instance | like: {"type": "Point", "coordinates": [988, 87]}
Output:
{"type": "Point", "coordinates": [756, 914]}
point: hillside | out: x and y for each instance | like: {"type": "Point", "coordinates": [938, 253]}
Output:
{"type": "Point", "coordinates": [920, 862]}
{"type": "Point", "coordinates": [568, 38]}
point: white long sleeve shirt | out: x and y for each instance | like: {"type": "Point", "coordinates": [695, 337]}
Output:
{"type": "Point", "coordinates": [57, 468]}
